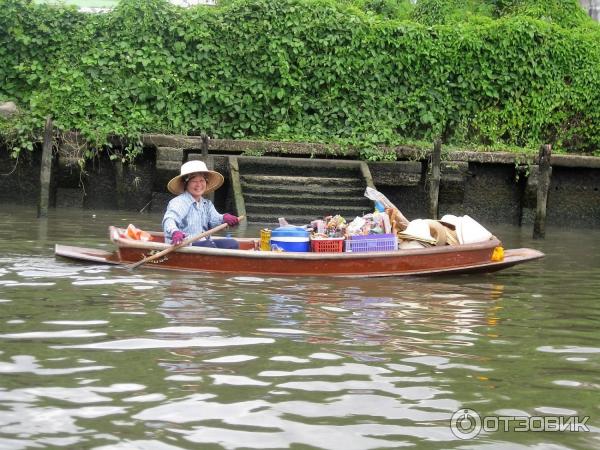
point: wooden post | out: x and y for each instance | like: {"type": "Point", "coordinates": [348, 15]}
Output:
{"type": "Point", "coordinates": [544, 174]}
{"type": "Point", "coordinates": [209, 161]}
{"type": "Point", "coordinates": [120, 183]}
{"type": "Point", "coordinates": [366, 173]}
{"type": "Point", "coordinates": [434, 179]}
{"type": "Point", "coordinates": [236, 185]}
{"type": "Point", "coordinates": [204, 147]}
{"type": "Point", "coordinates": [46, 169]}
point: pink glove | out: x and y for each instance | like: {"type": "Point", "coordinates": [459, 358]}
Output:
{"type": "Point", "coordinates": [230, 219]}
{"type": "Point", "coordinates": [177, 237]}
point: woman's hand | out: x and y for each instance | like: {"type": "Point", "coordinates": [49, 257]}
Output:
{"type": "Point", "coordinates": [177, 237]}
{"type": "Point", "coordinates": [230, 219]}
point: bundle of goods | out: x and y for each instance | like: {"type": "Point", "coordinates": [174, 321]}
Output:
{"type": "Point", "coordinates": [466, 229]}
{"type": "Point", "coordinates": [133, 232]}
{"type": "Point", "coordinates": [376, 222]}
{"type": "Point", "coordinates": [450, 230]}
{"type": "Point", "coordinates": [371, 232]}
{"type": "Point", "coordinates": [329, 227]}
{"type": "Point", "coordinates": [328, 234]}
{"type": "Point", "coordinates": [378, 231]}
{"type": "Point", "coordinates": [397, 219]}
{"type": "Point", "coordinates": [419, 233]}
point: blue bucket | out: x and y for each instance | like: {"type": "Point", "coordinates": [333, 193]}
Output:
{"type": "Point", "coordinates": [290, 239]}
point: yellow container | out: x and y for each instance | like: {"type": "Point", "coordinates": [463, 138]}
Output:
{"type": "Point", "coordinates": [498, 254]}
{"type": "Point", "coordinates": [265, 239]}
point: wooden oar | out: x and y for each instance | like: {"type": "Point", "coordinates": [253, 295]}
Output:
{"type": "Point", "coordinates": [185, 242]}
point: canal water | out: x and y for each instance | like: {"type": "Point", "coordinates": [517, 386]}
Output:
{"type": "Point", "coordinates": [99, 357]}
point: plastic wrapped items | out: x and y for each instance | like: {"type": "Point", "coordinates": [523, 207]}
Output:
{"type": "Point", "coordinates": [416, 235]}
{"type": "Point", "coordinates": [468, 230]}
{"type": "Point", "coordinates": [335, 226]}
{"type": "Point", "coordinates": [137, 234]}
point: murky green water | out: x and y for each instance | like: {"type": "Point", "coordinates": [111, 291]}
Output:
{"type": "Point", "coordinates": [100, 357]}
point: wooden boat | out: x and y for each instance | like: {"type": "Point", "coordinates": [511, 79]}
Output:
{"type": "Point", "coordinates": [469, 258]}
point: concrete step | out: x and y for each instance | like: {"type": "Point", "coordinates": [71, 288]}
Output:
{"type": "Point", "coordinates": [271, 220]}
{"type": "Point", "coordinates": [298, 167]}
{"type": "Point", "coordinates": [301, 181]}
{"type": "Point", "coordinates": [301, 190]}
{"type": "Point", "coordinates": [311, 210]}
{"type": "Point", "coordinates": [315, 198]}
{"type": "Point", "coordinates": [297, 190]}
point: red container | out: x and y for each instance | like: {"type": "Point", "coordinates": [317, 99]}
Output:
{"type": "Point", "coordinates": [329, 245]}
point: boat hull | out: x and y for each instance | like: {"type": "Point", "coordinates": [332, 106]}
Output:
{"type": "Point", "coordinates": [428, 261]}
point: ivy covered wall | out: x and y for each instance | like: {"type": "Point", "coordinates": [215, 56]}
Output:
{"type": "Point", "coordinates": [508, 73]}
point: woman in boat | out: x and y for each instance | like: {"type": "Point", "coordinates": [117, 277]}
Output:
{"type": "Point", "coordinates": [189, 213]}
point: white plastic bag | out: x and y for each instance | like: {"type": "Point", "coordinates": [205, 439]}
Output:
{"type": "Point", "coordinates": [376, 196]}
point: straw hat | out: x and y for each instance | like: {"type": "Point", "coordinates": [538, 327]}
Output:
{"type": "Point", "coordinates": [418, 230]}
{"type": "Point", "coordinates": [214, 180]}
{"type": "Point", "coordinates": [453, 224]}
{"type": "Point", "coordinates": [451, 237]}
{"type": "Point", "coordinates": [438, 231]}
{"type": "Point", "coordinates": [451, 220]}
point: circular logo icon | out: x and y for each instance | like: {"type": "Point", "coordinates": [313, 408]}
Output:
{"type": "Point", "coordinates": [465, 424]}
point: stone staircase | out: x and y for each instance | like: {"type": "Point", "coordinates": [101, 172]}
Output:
{"type": "Point", "coordinates": [301, 190]}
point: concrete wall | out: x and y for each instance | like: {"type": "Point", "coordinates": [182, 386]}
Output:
{"type": "Point", "coordinates": [494, 188]}
{"type": "Point", "coordinates": [592, 7]}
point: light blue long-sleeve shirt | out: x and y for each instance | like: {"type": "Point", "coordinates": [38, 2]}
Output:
{"type": "Point", "coordinates": [185, 214]}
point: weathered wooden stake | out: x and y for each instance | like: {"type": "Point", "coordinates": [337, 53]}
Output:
{"type": "Point", "coordinates": [120, 183]}
{"type": "Point", "coordinates": [544, 174]}
{"type": "Point", "coordinates": [46, 170]}
{"type": "Point", "coordinates": [434, 179]}
{"type": "Point", "coordinates": [238, 196]}
{"type": "Point", "coordinates": [204, 147]}
{"type": "Point", "coordinates": [209, 161]}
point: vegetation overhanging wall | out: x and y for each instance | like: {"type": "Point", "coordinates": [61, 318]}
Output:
{"type": "Point", "coordinates": [304, 70]}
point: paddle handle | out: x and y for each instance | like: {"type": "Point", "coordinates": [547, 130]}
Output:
{"type": "Point", "coordinates": [183, 243]}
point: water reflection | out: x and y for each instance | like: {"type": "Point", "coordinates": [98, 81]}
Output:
{"type": "Point", "coordinates": [99, 357]}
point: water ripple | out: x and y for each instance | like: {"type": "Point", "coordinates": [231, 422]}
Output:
{"type": "Point", "coordinates": [28, 364]}
{"type": "Point", "coordinates": [568, 349]}
{"type": "Point", "coordinates": [350, 363]}
{"type": "Point", "coordinates": [342, 370]}
{"type": "Point", "coordinates": [142, 343]}
{"type": "Point", "coordinates": [112, 281]}
{"type": "Point", "coordinates": [237, 380]}
{"type": "Point", "coordinates": [231, 359]}
{"type": "Point", "coordinates": [76, 322]}
{"type": "Point", "coordinates": [52, 334]}
{"type": "Point", "coordinates": [185, 330]}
